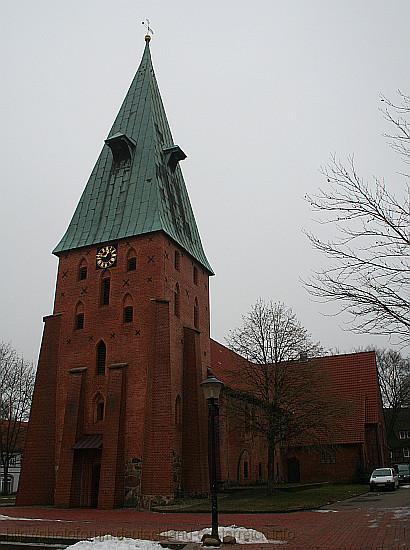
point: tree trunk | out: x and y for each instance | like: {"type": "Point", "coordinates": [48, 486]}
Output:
{"type": "Point", "coordinates": [391, 422]}
{"type": "Point", "coordinates": [5, 489]}
{"type": "Point", "coordinates": [271, 463]}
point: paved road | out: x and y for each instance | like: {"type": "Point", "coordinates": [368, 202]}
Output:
{"type": "Point", "coordinates": [374, 521]}
{"type": "Point", "coordinates": [377, 500]}
{"type": "Point", "coordinates": [30, 546]}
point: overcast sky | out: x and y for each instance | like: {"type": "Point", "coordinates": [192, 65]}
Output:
{"type": "Point", "coordinates": [258, 94]}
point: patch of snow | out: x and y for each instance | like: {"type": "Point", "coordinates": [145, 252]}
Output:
{"type": "Point", "coordinates": [401, 513]}
{"type": "Point", "coordinates": [243, 535]}
{"type": "Point", "coordinates": [325, 511]}
{"type": "Point", "coordinates": [108, 542]}
{"type": "Point", "coordinates": [13, 518]}
{"type": "Point", "coordinates": [373, 525]}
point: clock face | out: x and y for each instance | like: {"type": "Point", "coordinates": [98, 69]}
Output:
{"type": "Point", "coordinates": [106, 256]}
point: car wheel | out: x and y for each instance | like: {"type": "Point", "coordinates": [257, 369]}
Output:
{"type": "Point", "coordinates": [371, 488]}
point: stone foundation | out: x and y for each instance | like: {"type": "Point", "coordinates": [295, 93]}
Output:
{"type": "Point", "coordinates": [132, 483]}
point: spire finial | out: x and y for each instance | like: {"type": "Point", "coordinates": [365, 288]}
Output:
{"type": "Point", "coordinates": [150, 31]}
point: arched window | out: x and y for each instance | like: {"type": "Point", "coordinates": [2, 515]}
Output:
{"type": "Point", "coordinates": [177, 260]}
{"type": "Point", "coordinates": [82, 270]}
{"type": "Point", "coordinates": [178, 411]}
{"type": "Point", "coordinates": [196, 314]}
{"type": "Point", "coordinates": [101, 357]}
{"type": "Point", "coordinates": [176, 300]}
{"type": "Point", "coordinates": [79, 316]}
{"type": "Point", "coordinates": [105, 289]}
{"type": "Point", "coordinates": [195, 275]}
{"type": "Point", "coordinates": [99, 411]}
{"type": "Point", "coordinates": [127, 309]}
{"type": "Point", "coordinates": [131, 260]}
{"type": "Point", "coordinates": [99, 407]}
{"type": "Point", "coordinates": [244, 466]}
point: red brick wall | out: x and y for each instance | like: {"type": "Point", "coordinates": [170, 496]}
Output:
{"type": "Point", "coordinates": [238, 446]}
{"type": "Point", "coordinates": [37, 479]}
{"type": "Point", "coordinates": [111, 487]}
{"type": "Point", "coordinates": [73, 426]}
{"type": "Point", "coordinates": [353, 379]}
{"type": "Point", "coordinates": [374, 451]}
{"type": "Point", "coordinates": [129, 343]}
{"type": "Point", "coordinates": [154, 332]}
{"type": "Point", "coordinates": [156, 470]}
{"type": "Point", "coordinates": [194, 414]}
{"type": "Point", "coordinates": [190, 357]}
{"type": "Point", "coordinates": [345, 469]}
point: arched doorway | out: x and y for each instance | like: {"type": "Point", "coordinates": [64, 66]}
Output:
{"type": "Point", "coordinates": [293, 466]}
{"type": "Point", "coordinates": [244, 468]}
{"type": "Point", "coordinates": [95, 483]}
{"type": "Point", "coordinates": [86, 471]}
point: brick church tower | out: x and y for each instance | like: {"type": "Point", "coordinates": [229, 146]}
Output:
{"type": "Point", "coordinates": [117, 415]}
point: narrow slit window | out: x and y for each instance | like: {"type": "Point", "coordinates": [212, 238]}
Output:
{"type": "Point", "coordinates": [79, 316]}
{"type": "Point", "coordinates": [128, 314]}
{"type": "Point", "coordinates": [132, 264]}
{"type": "Point", "coordinates": [196, 314]}
{"type": "Point", "coordinates": [178, 411]}
{"type": "Point", "coordinates": [176, 300]}
{"type": "Point", "coordinates": [82, 273]}
{"type": "Point", "coordinates": [79, 321]}
{"type": "Point", "coordinates": [99, 413]}
{"type": "Point", "coordinates": [195, 275]}
{"type": "Point", "coordinates": [177, 260]}
{"type": "Point", "coordinates": [105, 291]}
{"type": "Point", "coordinates": [101, 357]}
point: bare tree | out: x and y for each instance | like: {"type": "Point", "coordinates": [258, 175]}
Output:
{"type": "Point", "coordinates": [370, 271]}
{"type": "Point", "coordinates": [394, 379]}
{"type": "Point", "coordinates": [16, 387]}
{"type": "Point", "coordinates": [274, 391]}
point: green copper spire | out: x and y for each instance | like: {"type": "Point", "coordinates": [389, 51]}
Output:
{"type": "Point", "coordinates": [137, 186]}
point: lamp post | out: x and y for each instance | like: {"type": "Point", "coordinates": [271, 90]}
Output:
{"type": "Point", "coordinates": [212, 388]}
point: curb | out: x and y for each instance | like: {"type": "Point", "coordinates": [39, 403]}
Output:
{"type": "Point", "coordinates": [11, 542]}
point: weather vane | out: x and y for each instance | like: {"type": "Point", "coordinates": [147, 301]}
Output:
{"type": "Point", "coordinates": [147, 23]}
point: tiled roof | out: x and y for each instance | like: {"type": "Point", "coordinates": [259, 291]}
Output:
{"type": "Point", "coordinates": [352, 378]}
{"type": "Point", "coordinates": [137, 186]}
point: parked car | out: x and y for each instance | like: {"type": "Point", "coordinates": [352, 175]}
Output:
{"type": "Point", "coordinates": [404, 472]}
{"type": "Point", "coordinates": [384, 477]}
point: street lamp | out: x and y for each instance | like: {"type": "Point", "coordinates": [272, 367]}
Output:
{"type": "Point", "coordinates": [212, 388]}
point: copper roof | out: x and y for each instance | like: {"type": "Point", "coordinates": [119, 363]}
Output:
{"type": "Point", "coordinates": [93, 441]}
{"type": "Point", "coordinates": [137, 186]}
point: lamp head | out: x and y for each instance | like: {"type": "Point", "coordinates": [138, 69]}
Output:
{"type": "Point", "coordinates": [212, 387]}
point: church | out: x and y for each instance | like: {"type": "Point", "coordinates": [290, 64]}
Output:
{"type": "Point", "coordinates": [116, 410]}
{"type": "Point", "coordinates": [118, 417]}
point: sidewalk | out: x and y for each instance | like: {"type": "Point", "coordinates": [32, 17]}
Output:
{"type": "Point", "coordinates": [345, 530]}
